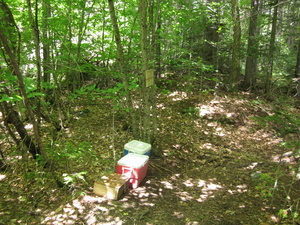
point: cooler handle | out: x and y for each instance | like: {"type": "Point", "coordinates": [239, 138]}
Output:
{"type": "Point", "coordinates": [129, 171]}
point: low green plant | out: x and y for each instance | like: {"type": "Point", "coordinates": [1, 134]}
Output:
{"type": "Point", "coordinates": [290, 214]}
{"type": "Point", "coordinates": [10, 82]}
{"type": "Point", "coordinates": [73, 178]}
{"type": "Point", "coordinates": [90, 92]}
{"type": "Point", "coordinates": [266, 185]}
{"type": "Point", "coordinates": [70, 151]}
{"type": "Point", "coordinates": [191, 111]}
{"type": "Point", "coordinates": [282, 122]}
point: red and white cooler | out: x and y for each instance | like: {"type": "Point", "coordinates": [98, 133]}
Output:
{"type": "Point", "coordinates": [134, 166]}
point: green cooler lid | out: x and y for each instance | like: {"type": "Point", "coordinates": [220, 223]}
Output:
{"type": "Point", "coordinates": [137, 147]}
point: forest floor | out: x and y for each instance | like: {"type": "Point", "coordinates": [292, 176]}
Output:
{"type": "Point", "coordinates": [226, 160]}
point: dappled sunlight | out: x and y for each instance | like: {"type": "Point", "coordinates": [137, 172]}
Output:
{"type": "Point", "coordinates": [205, 189]}
{"type": "Point", "coordinates": [239, 189]}
{"type": "Point", "coordinates": [160, 106]}
{"type": "Point", "coordinates": [220, 132]}
{"type": "Point", "coordinates": [212, 124]}
{"type": "Point", "coordinates": [184, 195]}
{"type": "Point", "coordinates": [167, 185]}
{"type": "Point", "coordinates": [211, 153]}
{"type": "Point", "coordinates": [2, 176]}
{"type": "Point", "coordinates": [251, 166]}
{"type": "Point", "coordinates": [87, 208]}
{"type": "Point", "coordinates": [224, 131]}
{"type": "Point", "coordinates": [178, 95]}
{"type": "Point", "coordinates": [187, 191]}
{"type": "Point", "coordinates": [289, 157]}
{"type": "Point", "coordinates": [178, 215]}
{"type": "Point", "coordinates": [209, 146]}
{"type": "Point", "coordinates": [28, 126]}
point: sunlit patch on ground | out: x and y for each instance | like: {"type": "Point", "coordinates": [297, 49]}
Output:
{"type": "Point", "coordinates": [239, 188]}
{"type": "Point", "coordinates": [2, 176]}
{"type": "Point", "coordinates": [178, 96]}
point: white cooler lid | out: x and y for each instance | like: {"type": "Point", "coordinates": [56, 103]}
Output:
{"type": "Point", "coordinates": [137, 147]}
{"type": "Point", "coordinates": [133, 160]}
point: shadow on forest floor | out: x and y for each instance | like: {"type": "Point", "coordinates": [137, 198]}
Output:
{"type": "Point", "coordinates": [219, 166]}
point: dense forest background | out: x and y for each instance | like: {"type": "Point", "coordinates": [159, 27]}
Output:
{"type": "Point", "coordinates": [59, 59]}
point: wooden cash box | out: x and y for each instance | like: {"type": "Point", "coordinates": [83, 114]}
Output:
{"type": "Point", "coordinates": [112, 186]}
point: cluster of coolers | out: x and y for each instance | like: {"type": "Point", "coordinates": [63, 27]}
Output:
{"type": "Point", "coordinates": [131, 169]}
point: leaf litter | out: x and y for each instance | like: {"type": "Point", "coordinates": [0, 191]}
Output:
{"type": "Point", "coordinates": [219, 165]}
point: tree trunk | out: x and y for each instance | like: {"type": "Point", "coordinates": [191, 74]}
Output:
{"type": "Point", "coordinates": [123, 67]}
{"type": "Point", "coordinates": [8, 23]}
{"type": "Point", "coordinates": [144, 90]}
{"type": "Point", "coordinates": [36, 37]}
{"type": "Point", "coordinates": [297, 69]}
{"type": "Point", "coordinates": [46, 40]}
{"type": "Point", "coordinates": [158, 47]}
{"type": "Point", "coordinates": [272, 48]}
{"type": "Point", "coordinates": [252, 49]}
{"type": "Point", "coordinates": [235, 60]}
{"type": "Point", "coordinates": [17, 72]}
{"type": "Point", "coordinates": [71, 75]}
{"type": "Point", "coordinates": [13, 117]}
{"type": "Point", "coordinates": [155, 23]}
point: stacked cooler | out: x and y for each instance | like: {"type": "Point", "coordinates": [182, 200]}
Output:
{"type": "Point", "coordinates": [137, 147]}
{"type": "Point", "coordinates": [134, 167]}
{"type": "Point", "coordinates": [131, 169]}
{"type": "Point", "coordinates": [134, 163]}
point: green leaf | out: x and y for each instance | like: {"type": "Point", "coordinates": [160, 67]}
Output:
{"type": "Point", "coordinates": [13, 98]}
{"type": "Point", "coordinates": [32, 94]}
{"type": "Point", "coordinates": [5, 98]}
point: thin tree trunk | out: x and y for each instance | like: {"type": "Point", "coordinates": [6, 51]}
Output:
{"type": "Point", "coordinates": [272, 48]}
{"type": "Point", "coordinates": [154, 20]}
{"type": "Point", "coordinates": [46, 41]}
{"type": "Point", "coordinates": [13, 117]}
{"type": "Point", "coordinates": [297, 69]}
{"type": "Point", "coordinates": [252, 49]}
{"type": "Point", "coordinates": [123, 67]}
{"type": "Point", "coordinates": [6, 124]}
{"type": "Point", "coordinates": [71, 79]}
{"type": "Point", "coordinates": [235, 61]}
{"type": "Point", "coordinates": [17, 72]}
{"type": "Point", "coordinates": [157, 44]}
{"type": "Point", "coordinates": [36, 37]}
{"type": "Point", "coordinates": [8, 23]}
{"type": "Point", "coordinates": [145, 67]}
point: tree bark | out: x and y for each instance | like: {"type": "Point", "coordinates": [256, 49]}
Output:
{"type": "Point", "coordinates": [33, 19]}
{"type": "Point", "coordinates": [13, 117]}
{"type": "Point", "coordinates": [297, 69]}
{"type": "Point", "coordinates": [17, 72]}
{"type": "Point", "coordinates": [235, 60]}
{"type": "Point", "coordinates": [46, 40]}
{"type": "Point", "coordinates": [269, 75]}
{"type": "Point", "coordinates": [144, 90]}
{"type": "Point", "coordinates": [155, 26]}
{"type": "Point", "coordinates": [252, 49]}
{"type": "Point", "coordinates": [123, 68]}
{"type": "Point", "coordinates": [8, 24]}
